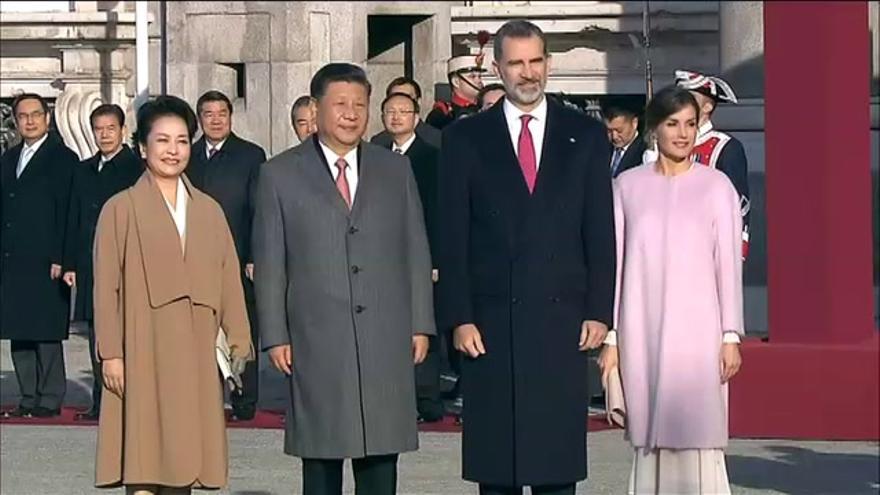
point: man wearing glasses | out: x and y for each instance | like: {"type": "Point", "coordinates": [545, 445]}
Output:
{"type": "Point", "coordinates": [400, 115]}
{"type": "Point", "coordinates": [35, 178]}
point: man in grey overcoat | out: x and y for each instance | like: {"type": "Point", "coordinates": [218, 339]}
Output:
{"type": "Point", "coordinates": [344, 291]}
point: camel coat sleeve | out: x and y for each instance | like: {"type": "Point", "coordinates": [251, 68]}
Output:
{"type": "Point", "coordinates": [233, 314]}
{"type": "Point", "coordinates": [113, 223]}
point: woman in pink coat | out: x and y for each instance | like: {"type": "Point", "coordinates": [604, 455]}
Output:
{"type": "Point", "coordinates": [678, 306]}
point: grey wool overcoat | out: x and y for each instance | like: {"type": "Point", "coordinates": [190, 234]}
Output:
{"type": "Point", "coordinates": [347, 290]}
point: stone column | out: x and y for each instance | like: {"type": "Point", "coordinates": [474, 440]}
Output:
{"type": "Point", "coordinates": [742, 47]}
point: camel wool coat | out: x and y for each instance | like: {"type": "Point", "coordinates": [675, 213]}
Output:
{"type": "Point", "coordinates": [159, 307]}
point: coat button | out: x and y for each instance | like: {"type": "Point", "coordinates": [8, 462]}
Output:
{"type": "Point", "coordinates": [554, 299]}
{"type": "Point", "coordinates": [8, 224]}
{"type": "Point", "coordinates": [355, 269]}
{"type": "Point", "coordinates": [5, 255]}
{"type": "Point", "coordinates": [551, 256]}
{"type": "Point", "coordinates": [352, 230]}
{"type": "Point", "coordinates": [11, 195]}
{"type": "Point", "coordinates": [95, 206]}
{"type": "Point", "coordinates": [514, 301]}
{"type": "Point", "coordinates": [359, 309]}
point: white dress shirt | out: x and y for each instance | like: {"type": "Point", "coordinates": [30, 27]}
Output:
{"type": "Point", "coordinates": [351, 172]}
{"type": "Point", "coordinates": [405, 146]}
{"type": "Point", "coordinates": [28, 152]}
{"type": "Point", "coordinates": [537, 126]}
{"type": "Point", "coordinates": [179, 213]}
{"type": "Point", "coordinates": [209, 147]}
{"type": "Point", "coordinates": [623, 149]}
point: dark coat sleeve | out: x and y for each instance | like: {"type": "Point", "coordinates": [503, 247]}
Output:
{"type": "Point", "coordinates": [257, 159]}
{"type": "Point", "coordinates": [64, 166]}
{"type": "Point", "coordinates": [71, 246]}
{"type": "Point", "coordinates": [598, 230]}
{"type": "Point", "coordinates": [455, 307]}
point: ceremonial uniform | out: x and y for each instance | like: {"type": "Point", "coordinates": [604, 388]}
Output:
{"type": "Point", "coordinates": [446, 112]}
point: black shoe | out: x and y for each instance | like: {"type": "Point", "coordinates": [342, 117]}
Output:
{"type": "Point", "coordinates": [43, 412]}
{"type": "Point", "coordinates": [91, 415]}
{"type": "Point", "coordinates": [243, 413]}
{"type": "Point", "coordinates": [19, 412]}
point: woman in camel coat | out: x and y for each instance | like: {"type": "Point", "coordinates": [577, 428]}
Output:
{"type": "Point", "coordinates": [166, 279]}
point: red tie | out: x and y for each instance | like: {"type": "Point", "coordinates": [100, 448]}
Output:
{"type": "Point", "coordinates": [526, 153]}
{"type": "Point", "coordinates": [342, 182]}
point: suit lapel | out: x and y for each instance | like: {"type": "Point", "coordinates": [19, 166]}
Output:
{"type": "Point", "coordinates": [160, 243]}
{"type": "Point", "coordinates": [365, 180]}
{"type": "Point", "coordinates": [554, 153]}
{"type": "Point", "coordinates": [36, 160]}
{"type": "Point", "coordinates": [501, 155]}
{"type": "Point", "coordinates": [10, 164]}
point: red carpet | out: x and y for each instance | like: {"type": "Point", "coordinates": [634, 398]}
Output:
{"type": "Point", "coordinates": [264, 419]}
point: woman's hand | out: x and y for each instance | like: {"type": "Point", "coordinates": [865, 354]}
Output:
{"type": "Point", "coordinates": [608, 360]}
{"type": "Point", "coordinates": [113, 371]}
{"type": "Point", "coordinates": [731, 360]}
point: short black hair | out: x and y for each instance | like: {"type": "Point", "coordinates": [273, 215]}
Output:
{"type": "Point", "coordinates": [403, 95]}
{"type": "Point", "coordinates": [210, 96]}
{"type": "Point", "coordinates": [667, 102]}
{"type": "Point", "coordinates": [401, 81]}
{"type": "Point", "coordinates": [611, 111]}
{"type": "Point", "coordinates": [29, 96]}
{"type": "Point", "coordinates": [163, 106]}
{"type": "Point", "coordinates": [337, 72]}
{"type": "Point", "coordinates": [108, 109]}
{"type": "Point", "coordinates": [300, 102]}
{"type": "Point", "coordinates": [485, 90]}
{"type": "Point", "coordinates": [517, 28]}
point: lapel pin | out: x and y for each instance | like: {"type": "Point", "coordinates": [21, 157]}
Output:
{"type": "Point", "coordinates": [572, 140]}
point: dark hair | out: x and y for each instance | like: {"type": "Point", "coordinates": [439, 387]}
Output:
{"type": "Point", "coordinates": [108, 109]}
{"type": "Point", "coordinates": [517, 28]}
{"type": "Point", "coordinates": [667, 102]}
{"type": "Point", "coordinates": [210, 96]}
{"type": "Point", "coordinates": [401, 81]}
{"type": "Point", "coordinates": [611, 111]}
{"type": "Point", "coordinates": [404, 95]}
{"type": "Point", "coordinates": [163, 106]}
{"type": "Point", "coordinates": [300, 102]}
{"type": "Point", "coordinates": [485, 90]}
{"type": "Point", "coordinates": [337, 72]}
{"type": "Point", "coordinates": [29, 96]}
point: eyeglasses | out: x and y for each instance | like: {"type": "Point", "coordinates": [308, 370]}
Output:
{"type": "Point", "coordinates": [394, 113]}
{"type": "Point", "coordinates": [30, 116]}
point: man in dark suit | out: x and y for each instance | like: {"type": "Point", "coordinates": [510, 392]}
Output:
{"type": "Point", "coordinates": [426, 132]}
{"type": "Point", "coordinates": [627, 145]}
{"type": "Point", "coordinates": [35, 178]}
{"type": "Point", "coordinates": [400, 115]}
{"type": "Point", "coordinates": [527, 269]}
{"type": "Point", "coordinates": [225, 167]}
{"type": "Point", "coordinates": [113, 168]}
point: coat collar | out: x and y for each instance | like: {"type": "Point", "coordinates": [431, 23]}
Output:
{"type": "Point", "coordinates": [170, 274]}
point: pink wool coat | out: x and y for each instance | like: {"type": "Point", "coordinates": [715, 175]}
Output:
{"type": "Point", "coordinates": [679, 288]}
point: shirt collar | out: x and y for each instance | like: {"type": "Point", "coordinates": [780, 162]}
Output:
{"type": "Point", "coordinates": [626, 147]}
{"type": "Point", "coordinates": [705, 128]}
{"type": "Point", "coordinates": [218, 146]}
{"type": "Point", "coordinates": [512, 113]}
{"type": "Point", "coordinates": [350, 157]}
{"type": "Point", "coordinates": [106, 158]}
{"type": "Point", "coordinates": [36, 146]}
{"type": "Point", "coordinates": [406, 144]}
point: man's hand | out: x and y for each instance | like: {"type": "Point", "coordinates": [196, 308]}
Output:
{"type": "Point", "coordinates": [281, 358]}
{"type": "Point", "coordinates": [70, 279]}
{"type": "Point", "coordinates": [466, 338]}
{"type": "Point", "coordinates": [420, 346]}
{"type": "Point", "coordinates": [249, 271]}
{"type": "Point", "coordinates": [592, 335]}
{"type": "Point", "coordinates": [55, 272]}
{"type": "Point", "coordinates": [731, 360]}
{"type": "Point", "coordinates": [113, 372]}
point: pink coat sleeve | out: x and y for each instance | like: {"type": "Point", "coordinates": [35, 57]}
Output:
{"type": "Point", "coordinates": [728, 259]}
